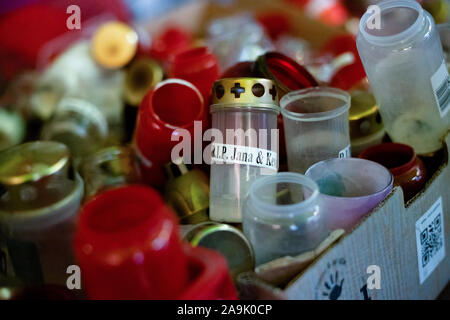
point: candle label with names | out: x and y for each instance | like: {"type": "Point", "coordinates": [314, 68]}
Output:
{"type": "Point", "coordinates": [236, 154]}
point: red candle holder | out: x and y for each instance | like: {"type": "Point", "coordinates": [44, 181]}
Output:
{"type": "Point", "coordinates": [127, 245]}
{"type": "Point", "coordinates": [408, 170]}
{"type": "Point", "coordinates": [198, 66]}
{"type": "Point", "coordinates": [171, 105]}
{"type": "Point", "coordinates": [169, 43]}
{"type": "Point", "coordinates": [210, 279]}
{"type": "Point", "coordinates": [348, 76]}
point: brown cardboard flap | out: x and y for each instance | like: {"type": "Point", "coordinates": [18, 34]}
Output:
{"type": "Point", "coordinates": [279, 272]}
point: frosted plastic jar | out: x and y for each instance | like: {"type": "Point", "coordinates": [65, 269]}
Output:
{"type": "Point", "coordinates": [282, 216]}
{"type": "Point", "coordinates": [405, 64]}
{"type": "Point", "coordinates": [245, 143]}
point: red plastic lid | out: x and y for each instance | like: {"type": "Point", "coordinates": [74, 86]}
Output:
{"type": "Point", "coordinates": [287, 74]}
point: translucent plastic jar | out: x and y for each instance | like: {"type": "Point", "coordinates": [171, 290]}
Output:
{"type": "Point", "coordinates": [245, 142]}
{"type": "Point", "coordinates": [405, 64]}
{"type": "Point", "coordinates": [282, 216]}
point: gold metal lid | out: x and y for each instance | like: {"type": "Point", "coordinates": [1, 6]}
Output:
{"type": "Point", "coordinates": [227, 240]}
{"type": "Point", "coordinates": [32, 161]}
{"type": "Point", "coordinates": [142, 75]}
{"type": "Point", "coordinates": [364, 115]}
{"type": "Point", "coordinates": [187, 192]}
{"type": "Point", "coordinates": [114, 44]}
{"type": "Point", "coordinates": [245, 92]}
{"type": "Point", "coordinates": [109, 167]}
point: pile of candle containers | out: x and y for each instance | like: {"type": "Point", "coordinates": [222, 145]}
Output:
{"type": "Point", "coordinates": [165, 171]}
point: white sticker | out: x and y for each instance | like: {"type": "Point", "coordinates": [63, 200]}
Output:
{"type": "Point", "coordinates": [430, 240]}
{"type": "Point", "coordinates": [345, 153]}
{"type": "Point", "coordinates": [231, 154]}
{"type": "Point", "coordinates": [441, 87]}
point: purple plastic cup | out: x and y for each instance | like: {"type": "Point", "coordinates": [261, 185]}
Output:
{"type": "Point", "coordinates": [349, 189]}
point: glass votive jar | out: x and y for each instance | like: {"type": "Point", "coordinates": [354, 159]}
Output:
{"type": "Point", "coordinates": [349, 189]}
{"type": "Point", "coordinates": [409, 171]}
{"type": "Point", "coordinates": [405, 65]}
{"type": "Point", "coordinates": [39, 201]}
{"type": "Point", "coordinates": [245, 144]}
{"type": "Point", "coordinates": [282, 216]}
{"type": "Point", "coordinates": [316, 126]}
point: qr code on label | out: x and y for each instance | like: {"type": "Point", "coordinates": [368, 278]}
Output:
{"type": "Point", "coordinates": [430, 240]}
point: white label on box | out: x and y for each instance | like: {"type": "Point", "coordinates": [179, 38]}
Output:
{"type": "Point", "coordinates": [430, 240]}
{"type": "Point", "coordinates": [441, 87]}
{"type": "Point", "coordinates": [236, 154]}
{"type": "Point", "coordinates": [345, 153]}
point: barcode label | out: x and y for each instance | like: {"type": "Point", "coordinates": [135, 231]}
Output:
{"type": "Point", "coordinates": [430, 240]}
{"type": "Point", "coordinates": [441, 86]}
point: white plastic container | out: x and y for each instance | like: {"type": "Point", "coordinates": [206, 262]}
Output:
{"type": "Point", "coordinates": [282, 216]}
{"type": "Point", "coordinates": [246, 119]}
{"type": "Point", "coordinates": [405, 65]}
{"type": "Point", "coordinates": [316, 126]}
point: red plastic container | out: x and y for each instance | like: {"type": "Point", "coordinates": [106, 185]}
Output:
{"type": "Point", "coordinates": [350, 75]}
{"type": "Point", "coordinates": [170, 105]}
{"type": "Point", "coordinates": [128, 247]}
{"type": "Point", "coordinates": [210, 279]}
{"type": "Point", "coordinates": [169, 43]}
{"type": "Point", "coordinates": [408, 170]}
{"type": "Point", "coordinates": [198, 66]}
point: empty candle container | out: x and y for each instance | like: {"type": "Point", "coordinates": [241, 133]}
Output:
{"type": "Point", "coordinates": [282, 216]}
{"type": "Point", "coordinates": [127, 245]}
{"type": "Point", "coordinates": [171, 107]}
{"type": "Point", "coordinates": [39, 201]}
{"type": "Point", "coordinates": [109, 168]}
{"type": "Point", "coordinates": [316, 126]}
{"type": "Point", "coordinates": [366, 126]}
{"type": "Point", "coordinates": [405, 64]}
{"type": "Point", "coordinates": [227, 240]}
{"type": "Point", "coordinates": [79, 125]}
{"type": "Point", "coordinates": [245, 145]}
{"type": "Point", "coordinates": [187, 192]}
{"type": "Point", "coordinates": [349, 189]}
{"type": "Point", "coordinates": [409, 171]}
{"type": "Point", "coordinates": [198, 66]}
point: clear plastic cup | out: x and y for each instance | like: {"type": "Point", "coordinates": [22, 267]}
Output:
{"type": "Point", "coordinates": [316, 126]}
{"type": "Point", "coordinates": [349, 189]}
{"type": "Point", "coordinates": [405, 65]}
{"type": "Point", "coordinates": [282, 216]}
